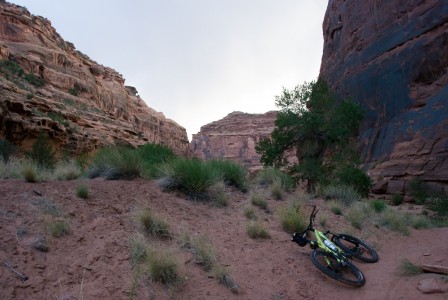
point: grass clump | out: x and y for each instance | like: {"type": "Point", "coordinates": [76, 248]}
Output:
{"type": "Point", "coordinates": [342, 193]}
{"type": "Point", "coordinates": [203, 252]}
{"type": "Point", "coordinates": [397, 199]}
{"type": "Point", "coordinates": [217, 194]}
{"type": "Point", "coordinates": [82, 191]}
{"type": "Point", "coordinates": [439, 204]}
{"type": "Point", "coordinates": [258, 200]}
{"type": "Point", "coordinates": [29, 174]}
{"type": "Point", "coordinates": [276, 190]}
{"type": "Point", "coordinates": [358, 214]}
{"type": "Point", "coordinates": [153, 155]}
{"type": "Point", "coordinates": [378, 205]}
{"type": "Point", "coordinates": [249, 213]}
{"type": "Point", "coordinates": [34, 80]}
{"type": "Point", "coordinates": [268, 176]}
{"type": "Point", "coordinates": [67, 170]}
{"type": "Point", "coordinates": [292, 218]}
{"type": "Point", "coordinates": [223, 277]}
{"type": "Point", "coordinates": [407, 268]}
{"type": "Point", "coordinates": [418, 190]}
{"type": "Point", "coordinates": [394, 221]}
{"type": "Point", "coordinates": [7, 149]}
{"type": "Point", "coordinates": [162, 267]}
{"type": "Point", "coordinates": [58, 228]}
{"type": "Point", "coordinates": [40, 245]}
{"type": "Point", "coordinates": [256, 230]}
{"type": "Point", "coordinates": [232, 173]}
{"type": "Point", "coordinates": [42, 152]}
{"type": "Point", "coordinates": [153, 225]}
{"type": "Point", "coordinates": [139, 250]}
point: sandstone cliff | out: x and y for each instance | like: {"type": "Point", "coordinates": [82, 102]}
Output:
{"type": "Point", "coordinates": [234, 137]}
{"type": "Point", "coordinates": [80, 103]}
{"type": "Point", "coordinates": [392, 57]}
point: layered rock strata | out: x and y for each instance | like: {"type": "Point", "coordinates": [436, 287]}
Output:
{"type": "Point", "coordinates": [392, 57]}
{"type": "Point", "coordinates": [81, 104]}
{"type": "Point", "coordinates": [234, 137]}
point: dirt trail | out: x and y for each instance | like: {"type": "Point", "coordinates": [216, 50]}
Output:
{"type": "Point", "coordinates": [93, 260]}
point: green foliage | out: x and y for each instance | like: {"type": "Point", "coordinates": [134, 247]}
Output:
{"type": "Point", "coordinates": [203, 251]}
{"type": "Point", "coordinates": [116, 162]}
{"type": "Point", "coordinates": [73, 92]}
{"type": "Point", "coordinates": [57, 117]}
{"type": "Point", "coordinates": [41, 152]}
{"type": "Point", "coordinates": [269, 176]}
{"type": "Point", "coordinates": [217, 194]}
{"type": "Point", "coordinates": [292, 218]}
{"type": "Point", "coordinates": [276, 190]}
{"type": "Point", "coordinates": [153, 225]}
{"type": "Point", "coordinates": [341, 193]}
{"type": "Point", "coordinates": [354, 177]}
{"type": "Point", "coordinates": [397, 199]}
{"type": "Point", "coordinates": [232, 173]}
{"type": "Point", "coordinates": [153, 155]}
{"type": "Point", "coordinates": [7, 149]}
{"type": "Point", "coordinates": [82, 191]}
{"type": "Point", "coordinates": [67, 170]}
{"type": "Point", "coordinates": [250, 213]}
{"type": "Point", "coordinates": [439, 204]}
{"type": "Point", "coordinates": [418, 190]}
{"type": "Point", "coordinates": [11, 67]}
{"type": "Point", "coordinates": [191, 176]}
{"type": "Point", "coordinates": [162, 267]}
{"type": "Point", "coordinates": [59, 228]}
{"type": "Point", "coordinates": [395, 221]}
{"type": "Point", "coordinates": [258, 200]}
{"type": "Point", "coordinates": [378, 205]}
{"type": "Point", "coordinates": [139, 250]}
{"type": "Point", "coordinates": [312, 123]}
{"type": "Point", "coordinates": [256, 230]}
{"type": "Point", "coordinates": [34, 80]}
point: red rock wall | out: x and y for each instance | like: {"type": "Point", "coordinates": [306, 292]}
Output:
{"type": "Point", "coordinates": [392, 57]}
{"type": "Point", "coordinates": [105, 111]}
{"type": "Point", "coordinates": [234, 137]}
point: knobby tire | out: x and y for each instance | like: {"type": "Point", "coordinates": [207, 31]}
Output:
{"type": "Point", "coordinates": [356, 248]}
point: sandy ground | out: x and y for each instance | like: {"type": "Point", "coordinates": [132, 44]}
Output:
{"type": "Point", "coordinates": [93, 260]}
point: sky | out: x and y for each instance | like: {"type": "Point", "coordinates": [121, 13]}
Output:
{"type": "Point", "coordinates": [196, 61]}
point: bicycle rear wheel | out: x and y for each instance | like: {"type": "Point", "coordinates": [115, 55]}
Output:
{"type": "Point", "coordinates": [344, 272]}
{"type": "Point", "coordinates": [355, 247]}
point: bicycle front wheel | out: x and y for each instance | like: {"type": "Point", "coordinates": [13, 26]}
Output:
{"type": "Point", "coordinates": [356, 248]}
{"type": "Point", "coordinates": [344, 272]}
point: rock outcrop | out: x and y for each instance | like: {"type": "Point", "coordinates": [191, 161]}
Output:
{"type": "Point", "coordinates": [45, 83]}
{"type": "Point", "coordinates": [392, 57]}
{"type": "Point", "coordinates": [234, 137]}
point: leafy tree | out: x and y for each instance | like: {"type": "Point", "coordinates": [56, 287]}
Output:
{"type": "Point", "coordinates": [317, 127]}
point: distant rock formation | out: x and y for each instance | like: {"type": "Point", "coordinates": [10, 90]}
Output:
{"type": "Point", "coordinates": [392, 57]}
{"type": "Point", "coordinates": [80, 103]}
{"type": "Point", "coordinates": [234, 137]}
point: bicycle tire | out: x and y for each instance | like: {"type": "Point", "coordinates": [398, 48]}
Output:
{"type": "Point", "coordinates": [355, 247]}
{"type": "Point", "coordinates": [346, 273]}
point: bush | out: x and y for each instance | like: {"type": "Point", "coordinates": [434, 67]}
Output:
{"type": "Point", "coordinates": [162, 267]}
{"type": "Point", "coordinates": [7, 149]}
{"type": "Point", "coordinates": [418, 190]}
{"type": "Point", "coordinates": [232, 173]}
{"type": "Point", "coordinates": [82, 191]}
{"type": "Point", "coordinates": [378, 205]}
{"type": "Point", "coordinates": [250, 213]}
{"type": "Point", "coordinates": [397, 199]}
{"type": "Point", "coordinates": [439, 204]}
{"type": "Point", "coordinates": [153, 225]}
{"type": "Point", "coordinates": [257, 200]}
{"type": "Point", "coordinates": [342, 193]}
{"type": "Point", "coordinates": [217, 194]}
{"type": "Point", "coordinates": [256, 230]}
{"type": "Point", "coordinates": [292, 218]}
{"type": "Point", "coordinates": [358, 213]}
{"type": "Point", "coordinates": [34, 80]}
{"type": "Point", "coordinates": [29, 174]}
{"type": "Point", "coordinates": [67, 170]}
{"type": "Point", "coordinates": [277, 190]}
{"type": "Point", "coordinates": [12, 67]}
{"type": "Point", "coordinates": [42, 152]}
{"type": "Point", "coordinates": [356, 178]}
{"type": "Point", "coordinates": [152, 156]}
{"type": "Point", "coordinates": [191, 176]}
{"type": "Point", "coordinates": [116, 162]}
{"type": "Point", "coordinates": [395, 221]}
{"type": "Point", "coordinates": [269, 176]}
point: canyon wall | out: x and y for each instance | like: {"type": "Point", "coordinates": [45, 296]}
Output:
{"type": "Point", "coordinates": [234, 137]}
{"type": "Point", "coordinates": [392, 57]}
{"type": "Point", "coordinates": [46, 84]}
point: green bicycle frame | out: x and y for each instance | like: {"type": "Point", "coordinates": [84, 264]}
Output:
{"type": "Point", "coordinates": [325, 244]}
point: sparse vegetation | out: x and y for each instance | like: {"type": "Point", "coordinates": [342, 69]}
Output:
{"type": "Point", "coordinates": [341, 193]}
{"type": "Point", "coordinates": [73, 92]}
{"type": "Point", "coordinates": [250, 213]}
{"type": "Point", "coordinates": [397, 199]}
{"type": "Point", "coordinates": [335, 207]}
{"type": "Point", "coordinates": [292, 218]}
{"type": "Point", "coordinates": [217, 194]}
{"type": "Point", "coordinates": [418, 190]}
{"type": "Point", "coordinates": [407, 268]}
{"type": "Point", "coordinates": [256, 230]}
{"type": "Point", "coordinates": [29, 174]}
{"type": "Point", "coordinates": [40, 245]}
{"type": "Point", "coordinates": [34, 80]}
{"type": "Point", "coordinates": [232, 173]}
{"type": "Point", "coordinates": [42, 153]}
{"type": "Point", "coordinates": [258, 200]}
{"type": "Point", "coordinates": [378, 205]}
{"type": "Point", "coordinates": [269, 176]}
{"type": "Point", "coordinates": [224, 278]}
{"type": "Point", "coordinates": [7, 149]}
{"type": "Point", "coordinates": [395, 221]}
{"type": "Point", "coordinates": [58, 228]}
{"type": "Point", "coordinates": [276, 190]}
{"type": "Point", "coordinates": [153, 225]}
{"type": "Point", "coordinates": [82, 191]}
{"type": "Point", "coordinates": [203, 252]}
{"type": "Point", "coordinates": [139, 250]}
{"type": "Point", "coordinates": [162, 266]}
{"type": "Point", "coordinates": [67, 170]}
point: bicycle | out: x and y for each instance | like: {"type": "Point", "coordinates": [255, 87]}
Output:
{"type": "Point", "coordinates": [332, 256]}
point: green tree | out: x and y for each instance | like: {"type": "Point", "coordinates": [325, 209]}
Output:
{"type": "Point", "coordinates": [42, 152]}
{"type": "Point", "coordinates": [316, 127]}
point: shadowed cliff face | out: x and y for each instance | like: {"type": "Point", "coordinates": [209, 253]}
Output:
{"type": "Point", "coordinates": [234, 137]}
{"type": "Point", "coordinates": [392, 57]}
{"type": "Point", "coordinates": [81, 104]}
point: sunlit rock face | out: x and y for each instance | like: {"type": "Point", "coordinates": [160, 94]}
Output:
{"type": "Point", "coordinates": [392, 57]}
{"type": "Point", "coordinates": [234, 137]}
{"type": "Point", "coordinates": [82, 105]}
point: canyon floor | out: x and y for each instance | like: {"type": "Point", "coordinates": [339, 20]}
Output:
{"type": "Point", "coordinates": [93, 260]}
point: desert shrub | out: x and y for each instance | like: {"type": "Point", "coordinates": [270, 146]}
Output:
{"type": "Point", "coordinates": [397, 199]}
{"type": "Point", "coordinates": [203, 251]}
{"type": "Point", "coordinates": [153, 225]}
{"type": "Point", "coordinates": [418, 190]}
{"type": "Point", "coordinates": [152, 156]}
{"type": "Point", "coordinates": [7, 149]}
{"type": "Point", "coordinates": [292, 218]}
{"type": "Point", "coordinates": [378, 205]}
{"type": "Point", "coordinates": [250, 213]}
{"type": "Point", "coordinates": [439, 204]}
{"type": "Point", "coordinates": [419, 222]}
{"type": "Point", "coordinates": [356, 178]}
{"type": "Point", "coordinates": [191, 176]}
{"type": "Point", "coordinates": [342, 193]}
{"type": "Point", "coordinates": [29, 174]}
{"type": "Point", "coordinates": [34, 80]}
{"type": "Point", "coordinates": [11, 169]}
{"type": "Point", "coordinates": [12, 67]}
{"type": "Point", "coordinates": [407, 268]}
{"type": "Point", "coordinates": [82, 191]}
{"type": "Point", "coordinates": [276, 190]}
{"type": "Point", "coordinates": [115, 162]}
{"type": "Point", "coordinates": [358, 213]}
{"type": "Point", "coordinates": [258, 200]}
{"type": "Point", "coordinates": [256, 230]}
{"type": "Point", "coordinates": [217, 194]}
{"type": "Point", "coordinates": [394, 221]}
{"type": "Point", "coordinates": [58, 228]}
{"type": "Point", "coordinates": [232, 173]}
{"type": "Point", "coordinates": [139, 250]}
{"type": "Point", "coordinates": [42, 152]}
{"type": "Point", "coordinates": [162, 267]}
{"type": "Point", "coordinates": [270, 175]}
{"type": "Point", "coordinates": [67, 170]}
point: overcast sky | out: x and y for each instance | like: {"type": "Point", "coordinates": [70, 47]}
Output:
{"type": "Point", "coordinates": [197, 60]}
